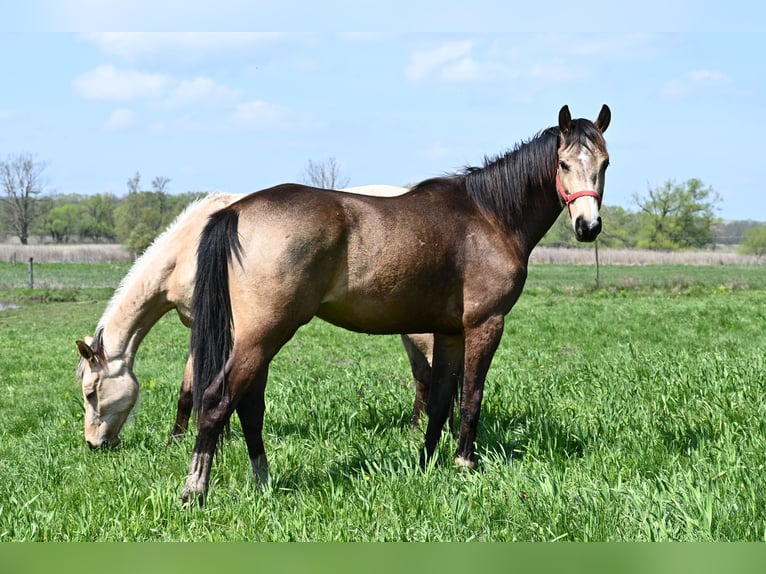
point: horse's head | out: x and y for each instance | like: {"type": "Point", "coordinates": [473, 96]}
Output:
{"type": "Point", "coordinates": [582, 163]}
{"type": "Point", "coordinates": [109, 391]}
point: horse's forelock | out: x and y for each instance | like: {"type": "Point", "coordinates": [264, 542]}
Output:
{"type": "Point", "coordinates": [584, 133]}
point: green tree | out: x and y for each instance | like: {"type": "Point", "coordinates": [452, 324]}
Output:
{"type": "Point", "coordinates": [677, 216]}
{"type": "Point", "coordinates": [620, 227]}
{"type": "Point", "coordinates": [98, 218]}
{"type": "Point", "coordinates": [62, 222]}
{"type": "Point", "coordinates": [754, 241]}
{"type": "Point", "coordinates": [139, 219]}
{"type": "Point", "coordinates": [142, 215]}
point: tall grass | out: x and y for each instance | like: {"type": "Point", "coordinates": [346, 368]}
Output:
{"type": "Point", "coordinates": [634, 412]}
{"type": "Point", "coordinates": [84, 253]}
{"type": "Point", "coordinates": [581, 255]}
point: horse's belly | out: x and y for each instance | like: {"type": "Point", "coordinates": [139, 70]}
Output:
{"type": "Point", "coordinates": [381, 318]}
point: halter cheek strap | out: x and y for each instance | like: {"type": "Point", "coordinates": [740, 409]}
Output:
{"type": "Point", "coordinates": [570, 197]}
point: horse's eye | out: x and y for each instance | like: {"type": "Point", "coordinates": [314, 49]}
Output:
{"type": "Point", "coordinates": [564, 165]}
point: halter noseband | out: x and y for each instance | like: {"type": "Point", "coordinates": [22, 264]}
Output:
{"type": "Point", "coordinates": [569, 198]}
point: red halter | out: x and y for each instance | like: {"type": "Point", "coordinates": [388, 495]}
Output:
{"type": "Point", "coordinates": [569, 198]}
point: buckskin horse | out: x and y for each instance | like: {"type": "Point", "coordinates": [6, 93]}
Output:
{"type": "Point", "coordinates": [449, 258]}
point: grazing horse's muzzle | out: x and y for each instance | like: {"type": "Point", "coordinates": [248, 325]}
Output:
{"type": "Point", "coordinates": [106, 443]}
{"type": "Point", "coordinates": [587, 230]}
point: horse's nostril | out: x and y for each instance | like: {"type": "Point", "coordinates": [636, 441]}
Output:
{"type": "Point", "coordinates": [587, 230]}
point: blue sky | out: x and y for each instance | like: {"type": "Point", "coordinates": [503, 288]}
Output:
{"type": "Point", "coordinates": [242, 111]}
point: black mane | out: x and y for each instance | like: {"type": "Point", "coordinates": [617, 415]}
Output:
{"type": "Point", "coordinates": [517, 180]}
{"type": "Point", "coordinates": [507, 183]}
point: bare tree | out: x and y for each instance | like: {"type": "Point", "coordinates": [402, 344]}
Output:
{"type": "Point", "coordinates": [134, 184]}
{"type": "Point", "coordinates": [22, 182]}
{"type": "Point", "coordinates": [325, 174]}
{"type": "Point", "coordinates": [160, 184]}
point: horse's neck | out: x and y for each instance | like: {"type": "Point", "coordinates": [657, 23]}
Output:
{"type": "Point", "coordinates": [140, 301]}
{"type": "Point", "coordinates": [160, 280]}
{"type": "Point", "coordinates": [536, 218]}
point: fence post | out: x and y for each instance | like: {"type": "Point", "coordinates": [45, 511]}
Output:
{"type": "Point", "coordinates": [598, 283]}
{"type": "Point", "coordinates": [31, 273]}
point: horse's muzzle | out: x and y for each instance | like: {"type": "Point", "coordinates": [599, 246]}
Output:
{"type": "Point", "coordinates": [587, 230]}
{"type": "Point", "coordinates": [108, 443]}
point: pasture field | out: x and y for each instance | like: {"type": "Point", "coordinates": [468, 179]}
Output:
{"type": "Point", "coordinates": [634, 412]}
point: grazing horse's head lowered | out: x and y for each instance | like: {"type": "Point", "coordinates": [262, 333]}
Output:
{"type": "Point", "coordinates": [109, 394]}
{"type": "Point", "coordinates": [581, 168]}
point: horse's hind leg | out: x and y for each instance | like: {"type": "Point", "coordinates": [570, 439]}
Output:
{"type": "Point", "coordinates": [183, 412]}
{"type": "Point", "coordinates": [216, 409]}
{"type": "Point", "coordinates": [419, 350]}
{"type": "Point", "coordinates": [251, 409]}
{"type": "Point", "coordinates": [445, 373]}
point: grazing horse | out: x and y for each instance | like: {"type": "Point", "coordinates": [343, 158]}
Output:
{"type": "Point", "coordinates": [159, 281]}
{"type": "Point", "coordinates": [449, 258]}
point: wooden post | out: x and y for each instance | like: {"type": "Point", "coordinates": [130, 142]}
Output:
{"type": "Point", "coordinates": [598, 284]}
{"type": "Point", "coordinates": [31, 273]}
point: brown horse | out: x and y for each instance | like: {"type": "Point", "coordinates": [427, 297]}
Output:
{"type": "Point", "coordinates": [161, 280]}
{"type": "Point", "coordinates": [449, 258]}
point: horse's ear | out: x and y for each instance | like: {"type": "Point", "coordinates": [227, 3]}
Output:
{"type": "Point", "coordinates": [604, 117]}
{"type": "Point", "coordinates": [85, 351]}
{"type": "Point", "coordinates": [565, 120]}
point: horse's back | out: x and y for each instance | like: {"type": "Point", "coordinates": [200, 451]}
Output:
{"type": "Point", "coordinates": [365, 263]}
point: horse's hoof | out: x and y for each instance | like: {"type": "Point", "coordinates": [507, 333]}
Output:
{"type": "Point", "coordinates": [187, 498]}
{"type": "Point", "coordinates": [465, 463]}
{"type": "Point", "coordinates": [175, 438]}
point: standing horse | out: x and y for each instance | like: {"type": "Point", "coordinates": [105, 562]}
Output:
{"type": "Point", "coordinates": [448, 258]}
{"type": "Point", "coordinates": [160, 280]}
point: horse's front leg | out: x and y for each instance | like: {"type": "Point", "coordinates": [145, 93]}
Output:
{"type": "Point", "coordinates": [185, 400]}
{"type": "Point", "coordinates": [445, 373]}
{"type": "Point", "coordinates": [480, 346]}
{"type": "Point", "coordinates": [217, 406]}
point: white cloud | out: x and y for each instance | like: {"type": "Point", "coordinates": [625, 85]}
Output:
{"type": "Point", "coordinates": [137, 46]}
{"type": "Point", "coordinates": [428, 62]}
{"type": "Point", "coordinates": [258, 114]}
{"type": "Point", "coordinates": [113, 84]}
{"type": "Point", "coordinates": [199, 91]}
{"type": "Point", "coordinates": [694, 82]}
{"type": "Point", "coordinates": [462, 70]}
{"type": "Point", "coordinates": [120, 119]}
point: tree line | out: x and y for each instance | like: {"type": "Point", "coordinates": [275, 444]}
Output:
{"type": "Point", "coordinates": [671, 216]}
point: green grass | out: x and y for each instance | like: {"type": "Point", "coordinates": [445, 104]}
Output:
{"type": "Point", "coordinates": [633, 412]}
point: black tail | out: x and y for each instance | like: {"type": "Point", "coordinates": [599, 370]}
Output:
{"type": "Point", "coordinates": [211, 334]}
